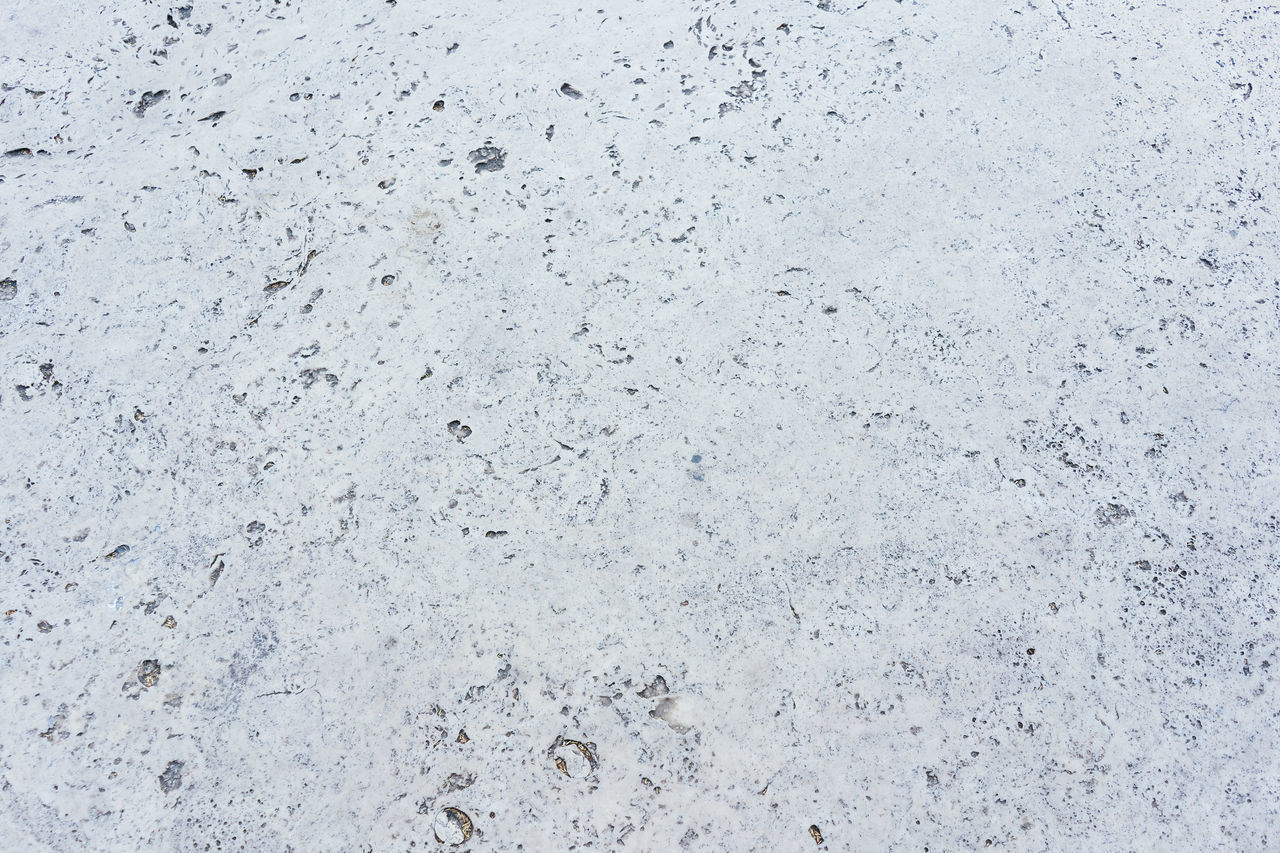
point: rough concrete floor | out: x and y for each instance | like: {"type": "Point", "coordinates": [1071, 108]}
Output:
{"type": "Point", "coordinates": [654, 426]}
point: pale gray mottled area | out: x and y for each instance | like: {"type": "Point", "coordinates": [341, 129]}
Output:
{"type": "Point", "coordinates": [710, 426]}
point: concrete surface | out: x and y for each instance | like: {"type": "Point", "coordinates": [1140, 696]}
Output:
{"type": "Point", "coordinates": [710, 426]}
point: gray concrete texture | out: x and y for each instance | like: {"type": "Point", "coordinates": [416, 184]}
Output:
{"type": "Point", "coordinates": [639, 426]}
